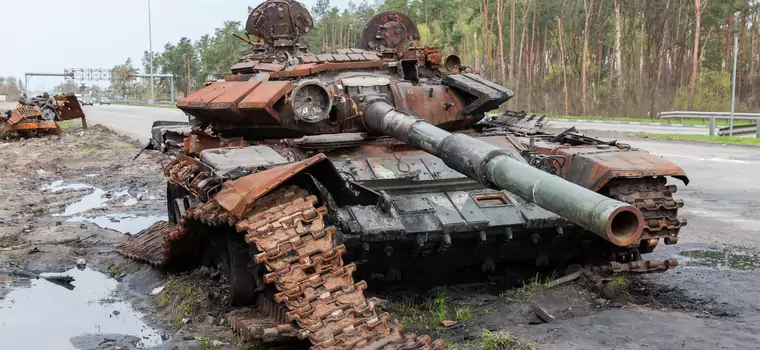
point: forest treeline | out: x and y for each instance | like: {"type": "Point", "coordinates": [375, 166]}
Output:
{"type": "Point", "coordinates": [568, 57]}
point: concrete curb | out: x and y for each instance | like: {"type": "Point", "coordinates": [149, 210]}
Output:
{"type": "Point", "coordinates": [628, 123]}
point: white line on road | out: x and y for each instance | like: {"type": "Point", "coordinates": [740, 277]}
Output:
{"type": "Point", "coordinates": [713, 159]}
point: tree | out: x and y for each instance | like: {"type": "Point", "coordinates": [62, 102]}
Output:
{"type": "Point", "coordinates": [699, 6]}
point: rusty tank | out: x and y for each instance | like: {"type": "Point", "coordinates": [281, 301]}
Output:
{"type": "Point", "coordinates": [299, 171]}
{"type": "Point", "coordinates": [40, 115]}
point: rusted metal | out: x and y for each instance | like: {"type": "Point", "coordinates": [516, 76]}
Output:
{"type": "Point", "coordinates": [594, 167]}
{"type": "Point", "coordinates": [279, 22]}
{"type": "Point", "coordinates": [389, 30]}
{"type": "Point", "coordinates": [69, 107]}
{"type": "Point", "coordinates": [238, 195]}
{"type": "Point", "coordinates": [148, 244]}
{"type": "Point", "coordinates": [635, 267]}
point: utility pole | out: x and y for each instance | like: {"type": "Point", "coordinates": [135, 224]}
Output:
{"type": "Point", "coordinates": [733, 89]}
{"type": "Point", "coordinates": [150, 43]}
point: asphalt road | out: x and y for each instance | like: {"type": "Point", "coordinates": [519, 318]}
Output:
{"type": "Point", "coordinates": [652, 129]}
{"type": "Point", "coordinates": [132, 121]}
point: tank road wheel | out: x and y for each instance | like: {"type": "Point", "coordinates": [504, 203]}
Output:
{"type": "Point", "coordinates": [654, 198]}
{"type": "Point", "coordinates": [171, 195]}
{"type": "Point", "coordinates": [239, 274]}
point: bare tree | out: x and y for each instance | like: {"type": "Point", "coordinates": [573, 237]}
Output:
{"type": "Point", "coordinates": [500, 19]}
{"type": "Point", "coordinates": [699, 5]}
{"type": "Point", "coordinates": [512, 42]}
{"type": "Point", "coordinates": [618, 78]}
{"type": "Point", "coordinates": [584, 60]}
{"type": "Point", "coordinates": [562, 58]}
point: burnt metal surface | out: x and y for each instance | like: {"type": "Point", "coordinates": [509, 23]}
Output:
{"type": "Point", "coordinates": [279, 22]}
{"type": "Point", "coordinates": [39, 115]}
{"type": "Point", "coordinates": [389, 30]}
{"type": "Point", "coordinates": [594, 167]}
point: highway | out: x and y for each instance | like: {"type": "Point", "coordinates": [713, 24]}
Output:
{"type": "Point", "coordinates": [651, 129]}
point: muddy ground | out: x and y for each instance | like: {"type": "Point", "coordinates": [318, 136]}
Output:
{"type": "Point", "coordinates": [73, 198]}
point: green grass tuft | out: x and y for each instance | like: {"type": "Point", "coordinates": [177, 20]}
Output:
{"type": "Point", "coordinates": [115, 271]}
{"type": "Point", "coordinates": [65, 125]}
{"type": "Point", "coordinates": [704, 138]}
{"type": "Point", "coordinates": [463, 314]}
{"type": "Point", "coordinates": [621, 281]}
{"type": "Point", "coordinates": [501, 341]}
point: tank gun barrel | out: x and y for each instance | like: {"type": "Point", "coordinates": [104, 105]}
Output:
{"type": "Point", "coordinates": [613, 220]}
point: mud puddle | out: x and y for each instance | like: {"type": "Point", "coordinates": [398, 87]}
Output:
{"type": "Point", "coordinates": [49, 316]}
{"type": "Point", "coordinates": [720, 259]}
{"type": "Point", "coordinates": [124, 223]}
{"type": "Point", "coordinates": [99, 198]}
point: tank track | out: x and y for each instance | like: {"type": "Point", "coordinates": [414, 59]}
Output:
{"type": "Point", "coordinates": [654, 198]}
{"type": "Point", "coordinates": [297, 249]}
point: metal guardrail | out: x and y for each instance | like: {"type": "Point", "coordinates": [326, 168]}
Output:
{"type": "Point", "coordinates": [739, 130]}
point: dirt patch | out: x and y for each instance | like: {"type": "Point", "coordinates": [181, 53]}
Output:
{"type": "Point", "coordinates": [43, 176]}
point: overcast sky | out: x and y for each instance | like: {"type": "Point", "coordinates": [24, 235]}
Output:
{"type": "Point", "coordinates": [52, 35]}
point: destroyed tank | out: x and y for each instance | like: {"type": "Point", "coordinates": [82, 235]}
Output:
{"type": "Point", "coordinates": [300, 170]}
{"type": "Point", "coordinates": [40, 115]}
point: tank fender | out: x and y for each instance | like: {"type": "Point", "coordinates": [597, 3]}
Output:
{"type": "Point", "coordinates": [594, 168]}
{"type": "Point", "coordinates": [237, 196]}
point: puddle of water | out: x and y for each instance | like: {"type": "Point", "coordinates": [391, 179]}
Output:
{"type": "Point", "coordinates": [56, 186]}
{"type": "Point", "coordinates": [92, 175]}
{"type": "Point", "coordinates": [122, 222]}
{"type": "Point", "coordinates": [47, 316]}
{"type": "Point", "coordinates": [90, 201]}
{"type": "Point", "coordinates": [721, 259]}
{"type": "Point", "coordinates": [96, 199]}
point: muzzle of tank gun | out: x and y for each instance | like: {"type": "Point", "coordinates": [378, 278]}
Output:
{"type": "Point", "coordinates": [615, 221]}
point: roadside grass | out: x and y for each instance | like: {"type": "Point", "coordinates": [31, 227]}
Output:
{"type": "Point", "coordinates": [126, 146]}
{"type": "Point", "coordinates": [704, 138]}
{"type": "Point", "coordinates": [65, 124]}
{"type": "Point", "coordinates": [718, 122]}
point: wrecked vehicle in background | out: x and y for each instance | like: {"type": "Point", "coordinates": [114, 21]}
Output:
{"type": "Point", "coordinates": [299, 170]}
{"type": "Point", "coordinates": [40, 115]}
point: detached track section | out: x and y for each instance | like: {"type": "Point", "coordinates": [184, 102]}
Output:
{"type": "Point", "coordinates": [304, 266]}
{"type": "Point", "coordinates": [654, 198]}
